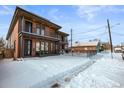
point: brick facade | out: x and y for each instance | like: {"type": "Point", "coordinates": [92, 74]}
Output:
{"type": "Point", "coordinates": [31, 35]}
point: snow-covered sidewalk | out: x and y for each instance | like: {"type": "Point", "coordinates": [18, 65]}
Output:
{"type": "Point", "coordinates": [39, 72]}
{"type": "Point", "coordinates": [105, 72]}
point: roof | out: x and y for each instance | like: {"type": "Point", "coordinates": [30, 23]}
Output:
{"type": "Point", "coordinates": [18, 10]}
{"type": "Point", "coordinates": [93, 43]}
{"type": "Point", "coordinates": [117, 48]}
{"type": "Point", "coordinates": [63, 33]}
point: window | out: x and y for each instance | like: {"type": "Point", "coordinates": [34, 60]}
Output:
{"type": "Point", "coordinates": [29, 43]}
{"type": "Point", "coordinates": [28, 26]}
{"type": "Point", "coordinates": [38, 30]}
{"type": "Point", "coordinates": [62, 38]}
{"type": "Point", "coordinates": [46, 47]}
{"type": "Point", "coordinates": [37, 46]}
{"type": "Point", "coordinates": [65, 39]}
{"type": "Point", "coordinates": [51, 46]}
{"type": "Point", "coordinates": [42, 30]}
{"type": "Point", "coordinates": [56, 47]}
{"type": "Point", "coordinates": [27, 47]}
{"type": "Point", "coordinates": [42, 46]}
{"type": "Point", "coordinates": [85, 48]}
{"type": "Point", "coordinates": [66, 46]}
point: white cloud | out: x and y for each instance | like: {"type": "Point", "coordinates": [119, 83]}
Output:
{"type": "Point", "coordinates": [90, 12]}
{"type": "Point", "coordinates": [6, 10]}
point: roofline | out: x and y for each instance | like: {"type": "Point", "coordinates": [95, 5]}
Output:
{"type": "Point", "coordinates": [63, 33]}
{"type": "Point", "coordinates": [38, 16]}
{"type": "Point", "coordinates": [83, 45]}
{"type": "Point", "coordinates": [12, 21]}
{"type": "Point", "coordinates": [15, 13]}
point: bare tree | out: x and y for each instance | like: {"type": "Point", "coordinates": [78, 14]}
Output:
{"type": "Point", "coordinates": [2, 44]}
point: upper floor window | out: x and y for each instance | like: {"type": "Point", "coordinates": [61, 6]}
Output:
{"type": "Point", "coordinates": [38, 30]}
{"type": "Point", "coordinates": [66, 39]}
{"type": "Point", "coordinates": [62, 38]}
{"type": "Point", "coordinates": [52, 33]}
{"type": "Point", "coordinates": [42, 30]}
{"type": "Point", "coordinates": [28, 26]}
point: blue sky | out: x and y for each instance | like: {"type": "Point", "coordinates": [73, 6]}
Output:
{"type": "Point", "coordinates": [84, 20]}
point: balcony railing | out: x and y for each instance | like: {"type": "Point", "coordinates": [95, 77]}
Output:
{"type": "Point", "coordinates": [45, 34]}
{"type": "Point", "coordinates": [34, 30]}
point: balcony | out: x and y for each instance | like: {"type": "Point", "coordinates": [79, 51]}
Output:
{"type": "Point", "coordinates": [35, 34]}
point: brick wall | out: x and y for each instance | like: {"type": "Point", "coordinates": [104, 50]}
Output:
{"type": "Point", "coordinates": [14, 38]}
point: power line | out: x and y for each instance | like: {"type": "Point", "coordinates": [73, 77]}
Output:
{"type": "Point", "coordinates": [90, 38]}
{"type": "Point", "coordinates": [92, 30]}
{"type": "Point", "coordinates": [119, 34]}
{"type": "Point", "coordinates": [93, 36]}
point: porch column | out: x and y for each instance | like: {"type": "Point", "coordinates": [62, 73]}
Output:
{"type": "Point", "coordinates": [21, 47]}
{"type": "Point", "coordinates": [33, 47]}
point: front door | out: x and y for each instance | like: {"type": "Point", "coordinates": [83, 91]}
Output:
{"type": "Point", "coordinates": [27, 47]}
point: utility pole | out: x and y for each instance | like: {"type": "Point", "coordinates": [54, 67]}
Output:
{"type": "Point", "coordinates": [71, 43]}
{"type": "Point", "coordinates": [110, 38]}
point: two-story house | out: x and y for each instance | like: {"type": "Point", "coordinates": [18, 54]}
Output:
{"type": "Point", "coordinates": [32, 35]}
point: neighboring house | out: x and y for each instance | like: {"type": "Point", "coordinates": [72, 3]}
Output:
{"type": "Point", "coordinates": [32, 35]}
{"type": "Point", "coordinates": [105, 46]}
{"type": "Point", "coordinates": [117, 49]}
{"type": "Point", "coordinates": [86, 47]}
{"type": "Point", "coordinates": [122, 46]}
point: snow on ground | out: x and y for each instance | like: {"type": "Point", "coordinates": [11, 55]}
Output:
{"type": "Point", "coordinates": [39, 72]}
{"type": "Point", "coordinates": [105, 72]}
{"type": "Point", "coordinates": [65, 70]}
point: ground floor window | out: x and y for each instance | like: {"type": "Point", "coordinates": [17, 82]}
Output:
{"type": "Point", "coordinates": [56, 47]}
{"type": "Point", "coordinates": [37, 46]}
{"type": "Point", "coordinates": [42, 47]}
{"type": "Point", "coordinates": [27, 47]}
{"type": "Point", "coordinates": [51, 47]}
{"type": "Point", "coordinates": [46, 47]}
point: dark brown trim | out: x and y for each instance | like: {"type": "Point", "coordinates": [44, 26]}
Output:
{"type": "Point", "coordinates": [12, 24]}
{"type": "Point", "coordinates": [39, 36]}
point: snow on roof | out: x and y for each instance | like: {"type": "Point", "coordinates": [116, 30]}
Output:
{"type": "Point", "coordinates": [92, 43]}
{"type": "Point", "coordinates": [118, 48]}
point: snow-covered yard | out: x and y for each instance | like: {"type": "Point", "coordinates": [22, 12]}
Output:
{"type": "Point", "coordinates": [39, 72]}
{"type": "Point", "coordinates": [64, 71]}
{"type": "Point", "coordinates": [105, 72]}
